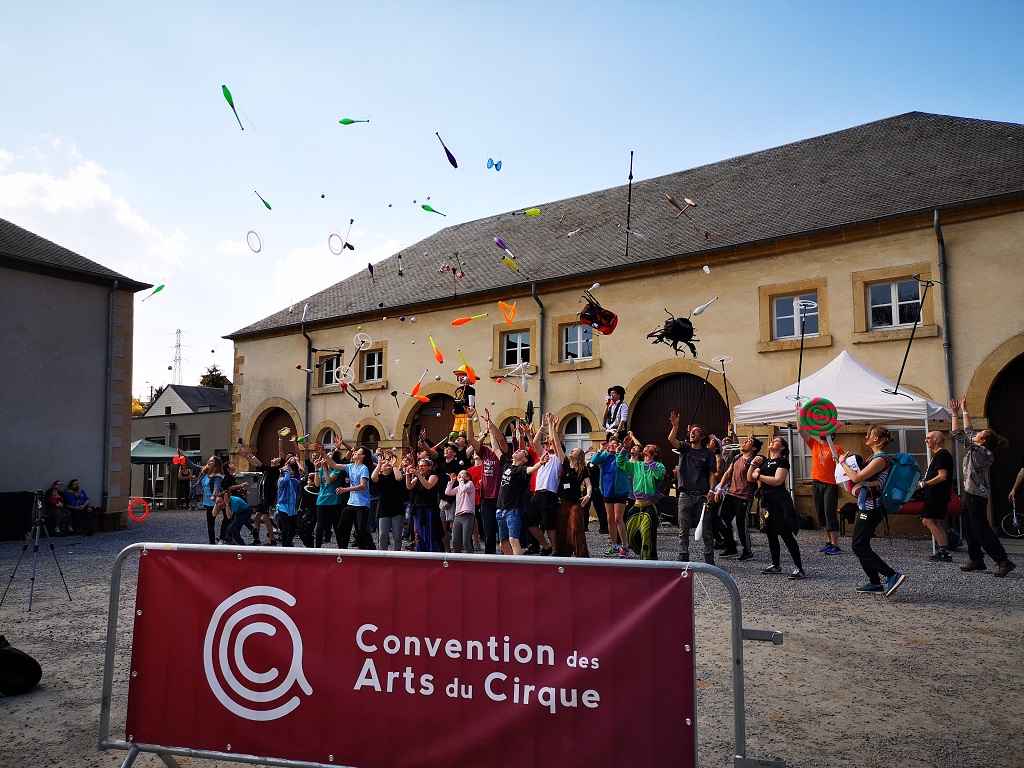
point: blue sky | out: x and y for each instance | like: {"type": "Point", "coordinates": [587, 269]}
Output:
{"type": "Point", "coordinates": [117, 143]}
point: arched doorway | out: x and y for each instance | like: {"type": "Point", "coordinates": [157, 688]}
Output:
{"type": "Point", "coordinates": [1005, 411]}
{"type": "Point", "coordinates": [436, 416]}
{"type": "Point", "coordinates": [266, 441]}
{"type": "Point", "coordinates": [369, 438]}
{"type": "Point", "coordinates": [678, 392]}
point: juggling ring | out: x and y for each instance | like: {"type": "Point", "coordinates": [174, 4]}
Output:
{"type": "Point", "coordinates": [346, 375]}
{"type": "Point", "coordinates": [259, 240]}
{"type": "Point", "coordinates": [362, 340]}
{"type": "Point", "coordinates": [131, 514]}
{"type": "Point", "coordinates": [341, 248]}
{"type": "Point", "coordinates": [720, 360]}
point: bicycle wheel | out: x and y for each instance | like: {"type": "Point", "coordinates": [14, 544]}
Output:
{"type": "Point", "coordinates": [1013, 525]}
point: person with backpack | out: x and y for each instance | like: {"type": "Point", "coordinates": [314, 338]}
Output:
{"type": "Point", "coordinates": [780, 516]}
{"type": "Point", "coordinates": [981, 539]}
{"type": "Point", "coordinates": [872, 478]}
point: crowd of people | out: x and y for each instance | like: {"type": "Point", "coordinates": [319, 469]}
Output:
{"type": "Point", "coordinates": [479, 491]}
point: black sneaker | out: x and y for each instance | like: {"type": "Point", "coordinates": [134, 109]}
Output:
{"type": "Point", "coordinates": [746, 556]}
{"type": "Point", "coordinates": [772, 569]}
{"type": "Point", "coordinates": [730, 553]}
{"type": "Point", "coordinates": [941, 557]}
{"type": "Point", "coordinates": [547, 552]}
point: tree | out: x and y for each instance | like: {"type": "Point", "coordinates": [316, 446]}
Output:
{"type": "Point", "coordinates": [138, 407]}
{"type": "Point", "coordinates": [214, 377]}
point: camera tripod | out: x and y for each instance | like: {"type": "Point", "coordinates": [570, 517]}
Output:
{"type": "Point", "coordinates": [33, 536]}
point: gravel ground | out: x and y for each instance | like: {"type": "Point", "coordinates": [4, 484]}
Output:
{"type": "Point", "coordinates": [932, 676]}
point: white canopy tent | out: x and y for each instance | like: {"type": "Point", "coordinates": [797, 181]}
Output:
{"type": "Point", "coordinates": [856, 391]}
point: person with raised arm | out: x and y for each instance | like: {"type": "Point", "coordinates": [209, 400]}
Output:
{"type": "Point", "coordinates": [490, 479]}
{"type": "Point", "coordinates": [574, 493]}
{"type": "Point", "coordinates": [978, 458]}
{"type": "Point", "coordinates": [646, 476]}
{"type": "Point", "coordinates": [694, 480]}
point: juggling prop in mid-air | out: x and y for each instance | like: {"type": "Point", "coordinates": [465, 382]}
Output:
{"type": "Point", "coordinates": [451, 157]}
{"type": "Point", "coordinates": [437, 353]}
{"type": "Point", "coordinates": [597, 317]}
{"type": "Point", "coordinates": [154, 292]}
{"type": "Point", "coordinates": [492, 163]}
{"type": "Point", "coordinates": [231, 103]}
{"type": "Point", "coordinates": [464, 320]}
{"type": "Point", "coordinates": [509, 259]}
{"type": "Point", "coordinates": [675, 331]}
{"type": "Point", "coordinates": [350, 121]}
{"type": "Point", "coordinates": [262, 200]}
{"type": "Point", "coordinates": [428, 209]}
{"type": "Point", "coordinates": [508, 311]}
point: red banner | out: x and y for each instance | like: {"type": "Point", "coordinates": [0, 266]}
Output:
{"type": "Point", "coordinates": [404, 661]}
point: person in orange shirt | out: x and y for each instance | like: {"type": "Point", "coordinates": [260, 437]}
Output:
{"type": "Point", "coordinates": [825, 491]}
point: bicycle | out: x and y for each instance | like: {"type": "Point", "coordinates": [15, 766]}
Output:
{"type": "Point", "coordinates": [1013, 524]}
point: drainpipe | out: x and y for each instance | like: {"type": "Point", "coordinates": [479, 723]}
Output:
{"type": "Point", "coordinates": [947, 347]}
{"type": "Point", "coordinates": [109, 398]}
{"type": "Point", "coordinates": [540, 351]}
{"type": "Point", "coordinates": [309, 366]}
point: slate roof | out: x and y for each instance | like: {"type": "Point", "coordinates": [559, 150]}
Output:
{"type": "Point", "coordinates": [197, 397]}
{"type": "Point", "coordinates": [902, 165]}
{"type": "Point", "coordinates": [21, 249]}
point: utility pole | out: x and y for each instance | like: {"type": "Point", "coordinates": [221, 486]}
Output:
{"type": "Point", "coordinates": [176, 374]}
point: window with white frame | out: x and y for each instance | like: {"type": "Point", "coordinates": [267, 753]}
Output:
{"type": "Point", "coordinates": [577, 342]}
{"type": "Point", "coordinates": [910, 440]}
{"type": "Point", "coordinates": [895, 304]}
{"type": "Point", "coordinates": [328, 439]}
{"type": "Point", "coordinates": [786, 315]}
{"type": "Point", "coordinates": [576, 433]}
{"type": "Point", "coordinates": [800, 458]}
{"type": "Point", "coordinates": [329, 368]}
{"type": "Point", "coordinates": [515, 348]}
{"type": "Point", "coordinates": [373, 365]}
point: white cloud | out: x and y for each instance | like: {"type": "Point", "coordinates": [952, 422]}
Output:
{"type": "Point", "coordinates": [306, 271]}
{"type": "Point", "coordinates": [232, 248]}
{"type": "Point", "coordinates": [80, 211]}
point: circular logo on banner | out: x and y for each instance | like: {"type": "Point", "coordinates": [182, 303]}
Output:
{"type": "Point", "coordinates": [252, 694]}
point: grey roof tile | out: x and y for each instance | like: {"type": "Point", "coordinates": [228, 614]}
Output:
{"type": "Point", "coordinates": [21, 249]}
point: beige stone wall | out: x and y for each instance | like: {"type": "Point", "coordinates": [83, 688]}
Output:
{"type": "Point", "coordinates": [985, 310]}
{"type": "Point", "coordinates": [119, 486]}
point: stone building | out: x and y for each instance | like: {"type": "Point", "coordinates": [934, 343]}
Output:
{"type": "Point", "coordinates": [851, 221]}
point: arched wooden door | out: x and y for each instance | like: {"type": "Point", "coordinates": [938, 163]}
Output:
{"type": "Point", "coordinates": [679, 392]}
{"type": "Point", "coordinates": [1005, 411]}
{"type": "Point", "coordinates": [266, 439]}
{"type": "Point", "coordinates": [436, 416]}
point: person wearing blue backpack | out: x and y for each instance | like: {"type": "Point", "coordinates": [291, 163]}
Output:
{"type": "Point", "coordinates": [873, 477]}
{"type": "Point", "coordinates": [978, 459]}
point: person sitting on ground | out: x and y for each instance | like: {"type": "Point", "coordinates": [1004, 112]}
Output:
{"type": "Point", "coordinates": [57, 509]}
{"type": "Point", "coordinates": [80, 507]}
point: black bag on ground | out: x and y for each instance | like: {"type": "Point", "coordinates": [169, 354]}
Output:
{"type": "Point", "coordinates": [19, 672]}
